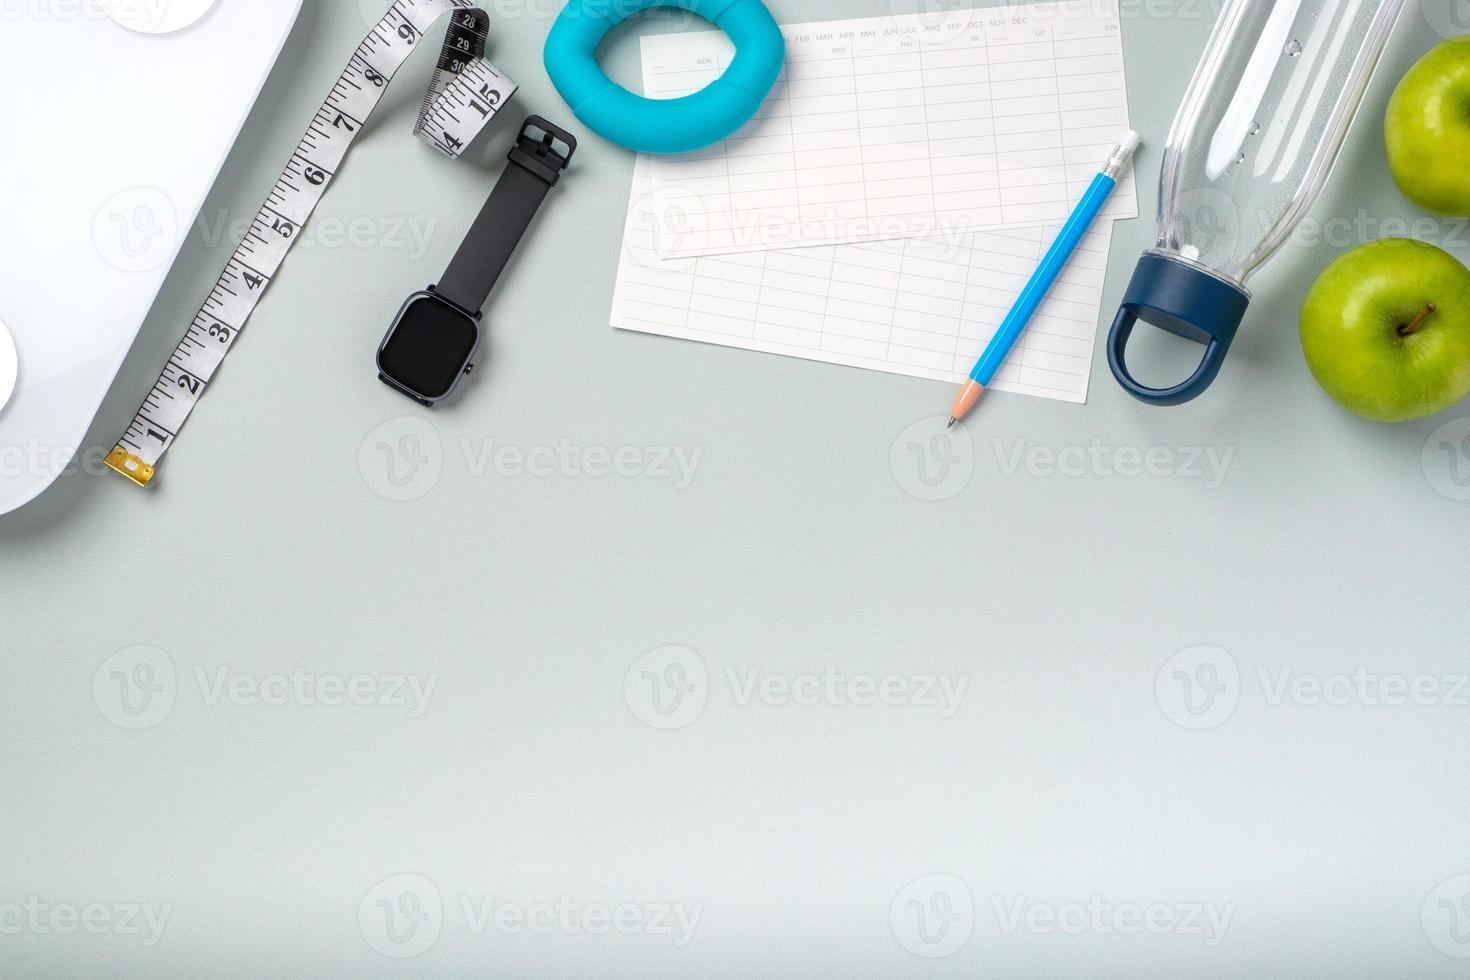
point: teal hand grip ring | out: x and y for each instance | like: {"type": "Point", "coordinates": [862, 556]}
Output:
{"type": "Point", "coordinates": [690, 122]}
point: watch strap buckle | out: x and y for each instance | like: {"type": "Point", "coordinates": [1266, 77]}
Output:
{"type": "Point", "coordinates": [546, 155]}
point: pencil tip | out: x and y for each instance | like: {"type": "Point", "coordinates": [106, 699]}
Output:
{"type": "Point", "coordinates": [952, 421]}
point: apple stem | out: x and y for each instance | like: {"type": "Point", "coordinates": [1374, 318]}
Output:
{"type": "Point", "coordinates": [1407, 328]}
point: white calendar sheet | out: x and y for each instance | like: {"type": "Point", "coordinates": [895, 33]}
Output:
{"type": "Point", "coordinates": [904, 126]}
{"type": "Point", "coordinates": [921, 307]}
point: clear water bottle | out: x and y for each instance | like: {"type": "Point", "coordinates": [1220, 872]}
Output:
{"type": "Point", "coordinates": [1250, 148]}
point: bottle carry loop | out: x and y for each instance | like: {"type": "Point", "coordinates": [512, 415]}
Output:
{"type": "Point", "coordinates": [1182, 300]}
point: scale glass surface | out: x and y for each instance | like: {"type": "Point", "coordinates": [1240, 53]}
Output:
{"type": "Point", "coordinates": [108, 169]}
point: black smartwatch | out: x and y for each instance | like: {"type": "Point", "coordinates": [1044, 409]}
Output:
{"type": "Point", "coordinates": [433, 341]}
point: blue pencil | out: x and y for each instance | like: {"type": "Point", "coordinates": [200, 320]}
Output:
{"type": "Point", "coordinates": [1041, 280]}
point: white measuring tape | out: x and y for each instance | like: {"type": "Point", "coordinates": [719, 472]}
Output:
{"type": "Point", "coordinates": [465, 94]}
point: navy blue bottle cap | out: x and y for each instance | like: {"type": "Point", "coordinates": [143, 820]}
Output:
{"type": "Point", "coordinates": [1184, 300]}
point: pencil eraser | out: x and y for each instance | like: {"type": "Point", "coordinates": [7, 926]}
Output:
{"type": "Point", "coordinates": [1129, 143]}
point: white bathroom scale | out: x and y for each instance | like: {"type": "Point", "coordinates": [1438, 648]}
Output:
{"type": "Point", "coordinates": [118, 120]}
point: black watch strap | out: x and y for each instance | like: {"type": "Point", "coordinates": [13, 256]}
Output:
{"type": "Point", "coordinates": [536, 163]}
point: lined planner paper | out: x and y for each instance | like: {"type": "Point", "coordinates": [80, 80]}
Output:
{"type": "Point", "coordinates": [920, 307]}
{"type": "Point", "coordinates": [904, 126]}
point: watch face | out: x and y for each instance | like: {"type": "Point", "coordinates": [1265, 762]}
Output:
{"type": "Point", "coordinates": [428, 347]}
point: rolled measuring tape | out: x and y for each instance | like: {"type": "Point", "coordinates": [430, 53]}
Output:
{"type": "Point", "coordinates": [680, 125]}
{"type": "Point", "coordinates": [465, 94]}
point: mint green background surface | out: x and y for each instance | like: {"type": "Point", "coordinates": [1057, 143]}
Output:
{"type": "Point", "coordinates": [1075, 561]}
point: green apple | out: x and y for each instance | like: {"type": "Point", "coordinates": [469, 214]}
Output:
{"type": "Point", "coordinates": [1427, 130]}
{"type": "Point", "coordinates": [1386, 330]}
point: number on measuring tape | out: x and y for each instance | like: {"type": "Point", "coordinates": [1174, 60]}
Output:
{"type": "Point", "coordinates": [465, 93]}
